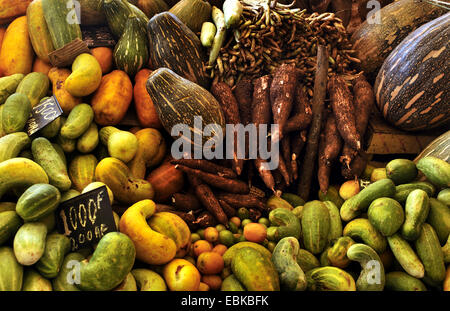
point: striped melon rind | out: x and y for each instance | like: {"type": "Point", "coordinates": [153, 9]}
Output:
{"type": "Point", "coordinates": [412, 86]}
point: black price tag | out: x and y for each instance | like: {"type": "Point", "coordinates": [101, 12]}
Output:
{"type": "Point", "coordinates": [43, 114]}
{"type": "Point", "coordinates": [86, 218]}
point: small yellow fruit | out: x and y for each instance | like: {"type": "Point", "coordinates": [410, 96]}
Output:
{"type": "Point", "coordinates": [349, 189]}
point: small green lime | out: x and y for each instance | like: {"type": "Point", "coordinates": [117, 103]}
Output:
{"type": "Point", "coordinates": [245, 222]}
{"type": "Point", "coordinates": [271, 246]}
{"type": "Point", "coordinates": [201, 233]}
{"type": "Point", "coordinates": [195, 237]}
{"type": "Point", "coordinates": [243, 213]}
{"type": "Point", "coordinates": [271, 233]}
{"type": "Point", "coordinates": [264, 221]}
{"type": "Point", "coordinates": [233, 227]}
{"type": "Point", "coordinates": [220, 227]}
{"type": "Point", "coordinates": [226, 238]}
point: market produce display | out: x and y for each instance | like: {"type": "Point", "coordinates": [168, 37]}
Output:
{"type": "Point", "coordinates": [94, 195]}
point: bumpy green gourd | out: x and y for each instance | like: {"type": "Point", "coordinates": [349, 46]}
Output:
{"type": "Point", "coordinates": [306, 260]}
{"type": "Point", "coordinates": [335, 221]}
{"type": "Point", "coordinates": [112, 260]}
{"type": "Point", "coordinates": [231, 283]}
{"type": "Point", "coordinates": [12, 144]}
{"type": "Point", "coordinates": [315, 226]}
{"type": "Point", "coordinates": [284, 258]}
{"type": "Point", "coordinates": [56, 247]}
{"type": "Point", "coordinates": [34, 282]}
{"type": "Point", "coordinates": [67, 276]}
{"type": "Point", "coordinates": [372, 277]}
{"type": "Point", "coordinates": [337, 253]}
{"type": "Point", "coordinates": [436, 170]}
{"type": "Point", "coordinates": [444, 196]}
{"type": "Point", "coordinates": [283, 224]}
{"type": "Point", "coordinates": [361, 229]}
{"type": "Point", "coordinates": [330, 279]}
{"type": "Point", "coordinates": [255, 271]}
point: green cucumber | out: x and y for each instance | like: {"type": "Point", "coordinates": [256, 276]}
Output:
{"type": "Point", "coordinates": [34, 282]}
{"type": "Point", "coordinates": [372, 277]}
{"type": "Point", "coordinates": [436, 170]}
{"type": "Point", "coordinates": [46, 156]}
{"type": "Point", "coordinates": [78, 121]}
{"type": "Point", "coordinates": [406, 256]}
{"type": "Point", "coordinates": [430, 253]}
{"type": "Point", "coordinates": [359, 203]}
{"type": "Point", "coordinates": [386, 215]}
{"type": "Point", "coordinates": [10, 222]}
{"type": "Point", "coordinates": [38, 201]}
{"type": "Point", "coordinates": [439, 219]}
{"type": "Point", "coordinates": [402, 281]}
{"type": "Point", "coordinates": [417, 208]}
{"type": "Point", "coordinates": [401, 171]}
{"type": "Point", "coordinates": [12, 144]}
{"type": "Point", "coordinates": [444, 196]}
{"type": "Point", "coordinates": [56, 247]}
{"type": "Point", "coordinates": [11, 271]}
{"type": "Point", "coordinates": [29, 243]}
{"type": "Point", "coordinates": [315, 226]}
{"type": "Point", "coordinates": [402, 191]}
{"type": "Point", "coordinates": [15, 113]}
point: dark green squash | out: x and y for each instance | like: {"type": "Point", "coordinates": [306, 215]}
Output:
{"type": "Point", "coordinates": [374, 41]}
{"type": "Point", "coordinates": [179, 101]}
{"type": "Point", "coordinates": [412, 85]}
{"type": "Point", "coordinates": [131, 52]}
{"type": "Point", "coordinates": [117, 12]}
{"type": "Point", "coordinates": [173, 45]}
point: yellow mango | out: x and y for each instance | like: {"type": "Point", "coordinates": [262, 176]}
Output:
{"type": "Point", "coordinates": [58, 76]}
{"type": "Point", "coordinates": [16, 55]}
{"type": "Point", "coordinates": [151, 247]}
{"type": "Point", "coordinates": [86, 76]}
{"type": "Point", "coordinates": [181, 275]}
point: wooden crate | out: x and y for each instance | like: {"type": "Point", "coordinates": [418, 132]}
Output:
{"type": "Point", "coordinates": [383, 138]}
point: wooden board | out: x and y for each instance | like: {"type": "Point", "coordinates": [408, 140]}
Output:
{"type": "Point", "coordinates": [383, 138]}
{"type": "Point", "coordinates": [65, 56]}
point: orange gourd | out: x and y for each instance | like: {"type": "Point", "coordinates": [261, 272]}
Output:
{"type": "Point", "coordinates": [104, 56]}
{"type": "Point", "coordinates": [112, 98]}
{"type": "Point", "coordinates": [146, 111]}
{"type": "Point", "coordinates": [41, 66]}
{"type": "Point", "coordinates": [16, 54]}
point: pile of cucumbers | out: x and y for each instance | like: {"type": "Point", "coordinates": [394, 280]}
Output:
{"type": "Point", "coordinates": [392, 235]}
